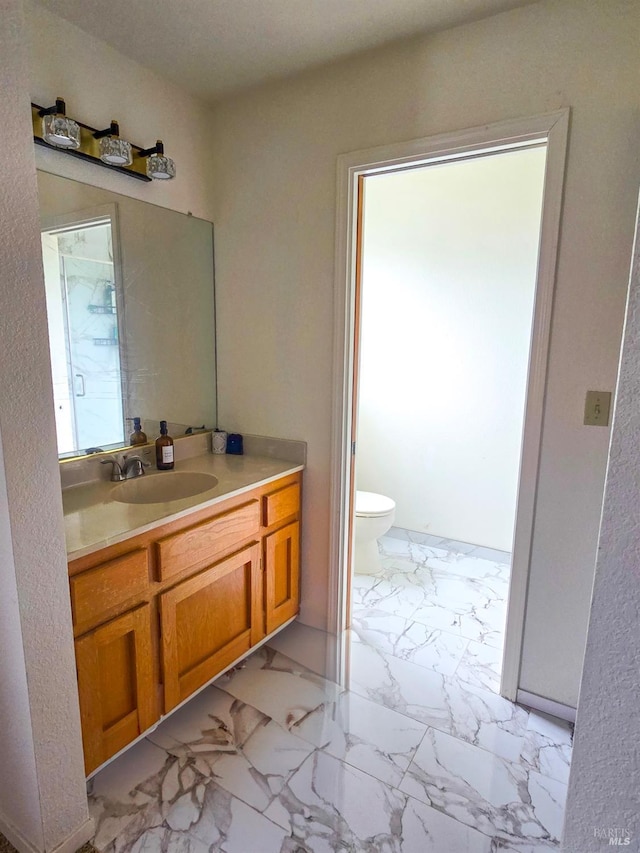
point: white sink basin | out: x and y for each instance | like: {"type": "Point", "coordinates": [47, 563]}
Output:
{"type": "Point", "coordinates": [163, 487]}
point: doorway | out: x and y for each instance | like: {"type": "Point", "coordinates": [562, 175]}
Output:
{"type": "Point", "coordinates": [543, 138]}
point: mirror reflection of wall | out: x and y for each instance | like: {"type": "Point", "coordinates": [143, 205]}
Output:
{"type": "Point", "coordinates": [84, 340]}
{"type": "Point", "coordinates": [130, 297]}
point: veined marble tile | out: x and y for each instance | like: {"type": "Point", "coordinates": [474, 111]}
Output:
{"type": "Point", "coordinates": [391, 547]}
{"type": "Point", "coordinates": [402, 638]}
{"type": "Point", "coordinates": [214, 821]}
{"type": "Point", "coordinates": [280, 688]}
{"type": "Point", "coordinates": [372, 738]}
{"type": "Point", "coordinates": [234, 826]}
{"type": "Point", "coordinates": [311, 647]}
{"type": "Point", "coordinates": [547, 746]}
{"type": "Point", "coordinates": [467, 712]}
{"type": "Point", "coordinates": [481, 665]}
{"type": "Point", "coordinates": [330, 806]}
{"type": "Point", "coordinates": [514, 845]}
{"type": "Point", "coordinates": [497, 797]}
{"type": "Point", "coordinates": [212, 721]}
{"type": "Point", "coordinates": [119, 793]}
{"type": "Point", "coordinates": [471, 608]}
{"type": "Point", "coordinates": [426, 830]}
{"type": "Point", "coordinates": [258, 772]}
{"type": "Point", "coordinates": [221, 737]}
{"type": "Point", "coordinates": [470, 566]}
{"type": "Point", "coordinates": [485, 624]}
{"type": "Point", "coordinates": [460, 593]}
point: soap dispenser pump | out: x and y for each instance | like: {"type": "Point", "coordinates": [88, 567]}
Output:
{"type": "Point", "coordinates": [137, 436]}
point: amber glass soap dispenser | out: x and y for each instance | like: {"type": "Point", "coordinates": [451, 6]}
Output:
{"type": "Point", "coordinates": [164, 449]}
{"type": "Point", "coordinates": [137, 436]}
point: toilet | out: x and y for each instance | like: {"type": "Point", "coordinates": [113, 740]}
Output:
{"type": "Point", "coordinates": [374, 517]}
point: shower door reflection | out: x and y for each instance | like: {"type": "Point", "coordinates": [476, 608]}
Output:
{"type": "Point", "coordinates": [84, 337]}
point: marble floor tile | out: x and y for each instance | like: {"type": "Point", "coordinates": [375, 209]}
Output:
{"type": "Point", "coordinates": [408, 640]}
{"type": "Point", "coordinates": [330, 806]}
{"type": "Point", "coordinates": [497, 797]}
{"type": "Point", "coordinates": [467, 712]}
{"type": "Point", "coordinates": [470, 566]}
{"type": "Point", "coordinates": [516, 845]}
{"type": "Point", "coordinates": [118, 794]}
{"type": "Point", "coordinates": [426, 830]}
{"type": "Point", "coordinates": [547, 746]}
{"type": "Point", "coordinates": [209, 819]}
{"type": "Point", "coordinates": [472, 608]}
{"type": "Point", "coordinates": [420, 755]}
{"type": "Point", "coordinates": [481, 665]}
{"type": "Point", "coordinates": [212, 721]}
{"type": "Point", "coordinates": [372, 738]}
{"type": "Point", "coordinates": [280, 688]}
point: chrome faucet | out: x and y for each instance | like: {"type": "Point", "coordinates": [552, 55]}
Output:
{"type": "Point", "coordinates": [134, 467]}
{"type": "Point", "coordinates": [116, 471]}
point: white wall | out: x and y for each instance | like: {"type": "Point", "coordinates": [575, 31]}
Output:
{"type": "Point", "coordinates": [605, 754]}
{"type": "Point", "coordinates": [449, 272]}
{"type": "Point", "coordinates": [42, 796]}
{"type": "Point", "coordinates": [275, 177]}
{"type": "Point", "coordinates": [99, 84]}
{"type": "Point", "coordinates": [42, 793]}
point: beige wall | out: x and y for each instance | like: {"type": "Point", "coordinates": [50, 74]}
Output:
{"type": "Point", "coordinates": [44, 807]}
{"type": "Point", "coordinates": [448, 283]}
{"type": "Point", "coordinates": [605, 774]}
{"type": "Point", "coordinates": [274, 208]}
{"type": "Point", "coordinates": [42, 795]}
{"type": "Point", "coordinates": [99, 84]}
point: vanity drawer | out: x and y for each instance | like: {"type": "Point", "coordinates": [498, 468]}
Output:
{"type": "Point", "coordinates": [280, 505]}
{"type": "Point", "coordinates": [201, 545]}
{"type": "Point", "coordinates": [99, 592]}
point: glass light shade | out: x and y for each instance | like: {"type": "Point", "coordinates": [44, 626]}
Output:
{"type": "Point", "coordinates": [160, 168]}
{"type": "Point", "coordinates": [61, 131]}
{"type": "Point", "coordinates": [115, 151]}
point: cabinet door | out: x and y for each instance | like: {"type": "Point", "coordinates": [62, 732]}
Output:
{"type": "Point", "coordinates": [208, 621]}
{"type": "Point", "coordinates": [282, 575]}
{"type": "Point", "coordinates": [115, 684]}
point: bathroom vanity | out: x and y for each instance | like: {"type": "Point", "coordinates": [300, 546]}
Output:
{"type": "Point", "coordinates": [167, 596]}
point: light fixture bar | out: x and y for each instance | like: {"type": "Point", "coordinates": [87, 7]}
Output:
{"type": "Point", "coordinates": [90, 137]}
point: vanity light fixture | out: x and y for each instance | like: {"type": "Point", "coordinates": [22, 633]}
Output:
{"type": "Point", "coordinates": [53, 128]}
{"type": "Point", "coordinates": [159, 167]}
{"type": "Point", "coordinates": [113, 150]}
{"type": "Point", "coordinates": [57, 129]}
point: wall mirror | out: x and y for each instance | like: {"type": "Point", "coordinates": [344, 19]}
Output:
{"type": "Point", "coordinates": [131, 313]}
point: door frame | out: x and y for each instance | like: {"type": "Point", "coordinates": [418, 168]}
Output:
{"type": "Point", "coordinates": [551, 128]}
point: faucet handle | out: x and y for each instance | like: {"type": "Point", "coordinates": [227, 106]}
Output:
{"type": "Point", "coordinates": [116, 471]}
{"type": "Point", "coordinates": [134, 466]}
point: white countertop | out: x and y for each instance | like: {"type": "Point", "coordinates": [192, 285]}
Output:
{"type": "Point", "coordinates": [93, 520]}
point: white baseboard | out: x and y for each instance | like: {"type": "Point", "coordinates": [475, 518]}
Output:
{"type": "Point", "coordinates": [547, 706]}
{"type": "Point", "coordinates": [78, 837]}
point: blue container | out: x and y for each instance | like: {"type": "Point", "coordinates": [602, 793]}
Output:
{"type": "Point", "coordinates": [234, 444]}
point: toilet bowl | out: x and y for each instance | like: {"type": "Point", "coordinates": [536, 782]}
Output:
{"type": "Point", "coordinates": [373, 518]}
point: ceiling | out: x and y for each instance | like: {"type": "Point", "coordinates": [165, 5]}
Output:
{"type": "Point", "coordinates": [214, 47]}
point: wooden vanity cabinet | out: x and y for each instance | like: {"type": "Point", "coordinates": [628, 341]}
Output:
{"type": "Point", "coordinates": [116, 687]}
{"type": "Point", "coordinates": [281, 555]}
{"type": "Point", "coordinates": [161, 614]}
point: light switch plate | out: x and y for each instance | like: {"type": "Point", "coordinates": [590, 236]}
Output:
{"type": "Point", "coordinates": [596, 408]}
